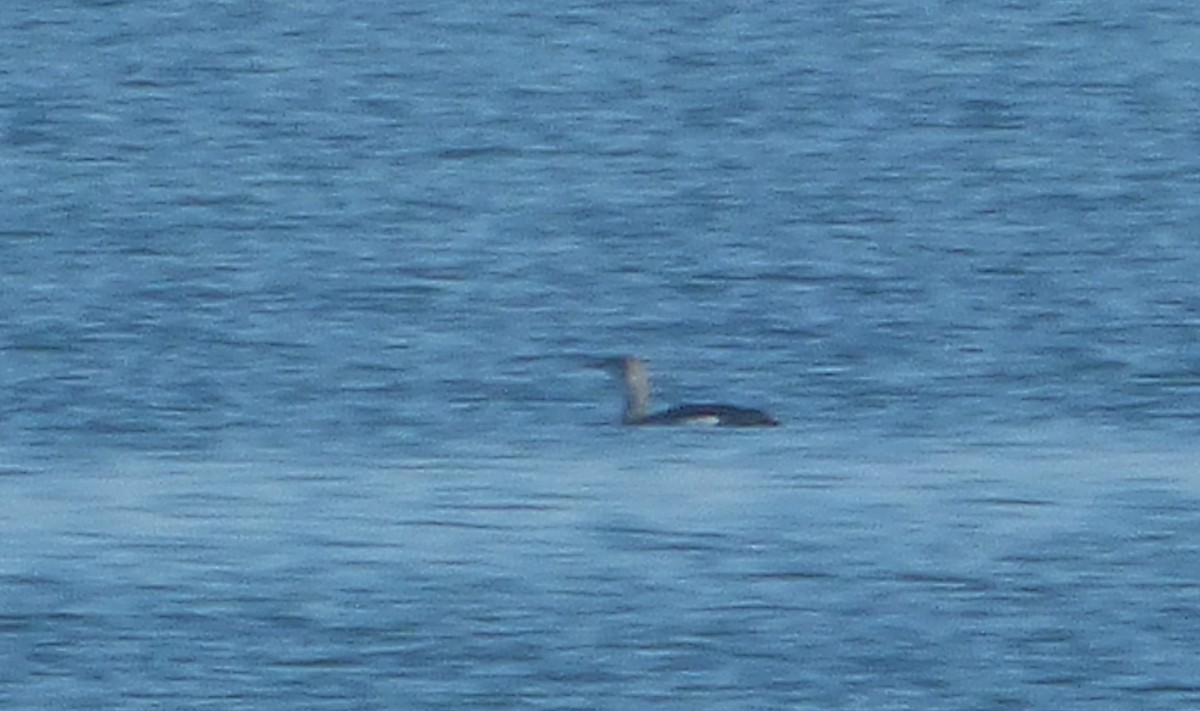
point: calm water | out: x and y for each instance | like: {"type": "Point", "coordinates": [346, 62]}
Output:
{"type": "Point", "coordinates": [296, 298]}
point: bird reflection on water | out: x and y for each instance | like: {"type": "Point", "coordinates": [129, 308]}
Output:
{"type": "Point", "coordinates": [633, 375]}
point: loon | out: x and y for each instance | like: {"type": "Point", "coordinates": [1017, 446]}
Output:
{"type": "Point", "coordinates": [632, 372]}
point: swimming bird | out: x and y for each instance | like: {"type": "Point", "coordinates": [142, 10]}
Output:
{"type": "Point", "coordinates": [632, 372]}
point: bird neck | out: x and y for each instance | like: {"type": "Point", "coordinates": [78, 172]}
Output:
{"type": "Point", "coordinates": [637, 391]}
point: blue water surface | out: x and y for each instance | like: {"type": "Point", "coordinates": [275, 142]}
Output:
{"type": "Point", "coordinates": [296, 301]}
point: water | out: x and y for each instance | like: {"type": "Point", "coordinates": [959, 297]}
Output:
{"type": "Point", "coordinates": [295, 300]}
